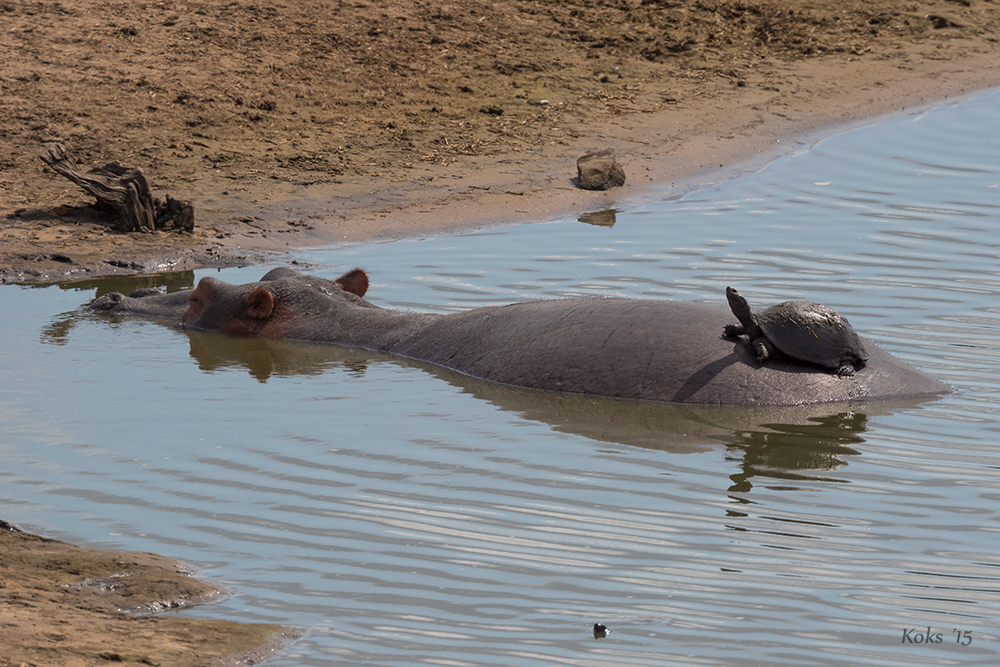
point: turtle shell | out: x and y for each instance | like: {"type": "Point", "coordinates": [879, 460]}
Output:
{"type": "Point", "coordinates": [811, 332]}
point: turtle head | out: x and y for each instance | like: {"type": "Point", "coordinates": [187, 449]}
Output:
{"type": "Point", "coordinates": [740, 308]}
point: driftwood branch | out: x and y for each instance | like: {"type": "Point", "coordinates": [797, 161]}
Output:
{"type": "Point", "coordinates": [124, 192]}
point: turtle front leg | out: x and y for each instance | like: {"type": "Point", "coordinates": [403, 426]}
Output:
{"type": "Point", "coordinates": [733, 331]}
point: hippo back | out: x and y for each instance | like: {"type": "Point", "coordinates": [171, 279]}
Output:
{"type": "Point", "coordinates": [664, 351]}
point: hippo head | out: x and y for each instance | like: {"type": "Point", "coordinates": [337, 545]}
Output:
{"type": "Point", "coordinates": [269, 307]}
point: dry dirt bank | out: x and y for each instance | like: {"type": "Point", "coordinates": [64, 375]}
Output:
{"type": "Point", "coordinates": [293, 123]}
{"type": "Point", "coordinates": [72, 607]}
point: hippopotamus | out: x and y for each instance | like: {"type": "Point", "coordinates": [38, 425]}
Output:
{"type": "Point", "coordinates": [636, 349]}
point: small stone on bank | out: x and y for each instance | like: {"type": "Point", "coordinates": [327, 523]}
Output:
{"type": "Point", "coordinates": [599, 171]}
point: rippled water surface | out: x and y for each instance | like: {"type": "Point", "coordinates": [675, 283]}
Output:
{"type": "Point", "coordinates": [405, 515]}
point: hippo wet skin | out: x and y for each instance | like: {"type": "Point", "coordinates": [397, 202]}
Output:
{"type": "Point", "coordinates": [651, 350]}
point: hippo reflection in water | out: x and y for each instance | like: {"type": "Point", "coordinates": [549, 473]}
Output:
{"type": "Point", "coordinates": [638, 349]}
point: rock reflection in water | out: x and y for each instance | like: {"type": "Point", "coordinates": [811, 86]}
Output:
{"type": "Point", "coordinates": [606, 218]}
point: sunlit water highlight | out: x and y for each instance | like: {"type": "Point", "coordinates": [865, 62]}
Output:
{"type": "Point", "coordinates": [403, 515]}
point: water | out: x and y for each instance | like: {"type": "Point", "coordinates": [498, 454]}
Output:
{"type": "Point", "coordinates": [405, 515]}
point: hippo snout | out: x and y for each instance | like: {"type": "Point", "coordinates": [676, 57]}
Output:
{"type": "Point", "coordinates": [107, 301]}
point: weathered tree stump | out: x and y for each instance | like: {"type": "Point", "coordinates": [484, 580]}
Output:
{"type": "Point", "coordinates": [124, 192]}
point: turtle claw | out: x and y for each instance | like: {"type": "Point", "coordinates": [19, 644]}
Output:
{"type": "Point", "coordinates": [763, 351]}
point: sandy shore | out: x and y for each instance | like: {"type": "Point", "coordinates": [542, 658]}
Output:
{"type": "Point", "coordinates": [302, 124]}
{"type": "Point", "coordinates": [64, 605]}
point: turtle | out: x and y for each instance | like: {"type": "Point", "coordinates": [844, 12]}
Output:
{"type": "Point", "coordinates": [802, 330]}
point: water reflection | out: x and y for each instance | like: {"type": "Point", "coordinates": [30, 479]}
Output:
{"type": "Point", "coordinates": [788, 443]}
{"type": "Point", "coordinates": [266, 358]}
{"type": "Point", "coordinates": [58, 330]}
{"type": "Point", "coordinates": [791, 443]}
{"type": "Point", "coordinates": [172, 281]}
{"type": "Point", "coordinates": [784, 450]}
{"type": "Point", "coordinates": [605, 218]}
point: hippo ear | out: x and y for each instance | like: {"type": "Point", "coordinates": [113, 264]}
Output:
{"type": "Point", "coordinates": [354, 281]}
{"type": "Point", "coordinates": [259, 303]}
